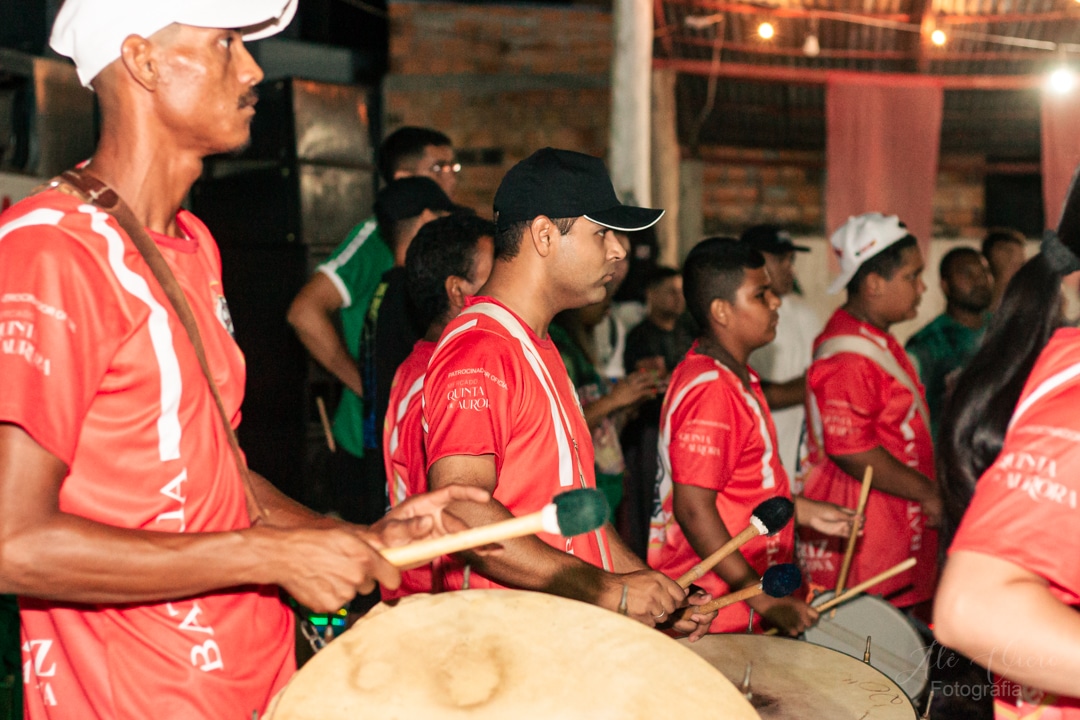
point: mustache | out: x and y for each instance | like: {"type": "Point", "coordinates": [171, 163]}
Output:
{"type": "Point", "coordinates": [249, 99]}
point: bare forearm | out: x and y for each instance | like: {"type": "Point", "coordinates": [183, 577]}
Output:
{"type": "Point", "coordinates": [284, 512]}
{"type": "Point", "coordinates": [1008, 621]}
{"type": "Point", "coordinates": [785, 394]}
{"type": "Point", "coordinates": [706, 533]}
{"type": "Point", "coordinates": [528, 562]}
{"type": "Point", "coordinates": [319, 336]}
{"type": "Point", "coordinates": [74, 559]}
{"type": "Point", "coordinates": [890, 475]}
{"type": "Point", "coordinates": [623, 559]}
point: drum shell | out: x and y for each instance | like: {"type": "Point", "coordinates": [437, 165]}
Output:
{"type": "Point", "coordinates": [897, 648]}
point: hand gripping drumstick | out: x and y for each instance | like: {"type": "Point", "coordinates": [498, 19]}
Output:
{"type": "Point", "coordinates": [769, 518]}
{"type": "Point", "coordinates": [849, 553]}
{"type": "Point", "coordinates": [570, 513]}
{"type": "Point", "coordinates": [778, 581]}
{"type": "Point", "coordinates": [862, 587]}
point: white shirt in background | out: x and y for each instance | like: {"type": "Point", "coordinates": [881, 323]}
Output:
{"type": "Point", "coordinates": [785, 358]}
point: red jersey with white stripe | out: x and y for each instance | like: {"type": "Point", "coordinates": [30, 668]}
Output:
{"type": "Point", "coordinates": [99, 371]}
{"type": "Point", "coordinates": [403, 451]}
{"type": "Point", "coordinates": [1025, 508]}
{"type": "Point", "coordinates": [716, 434]}
{"type": "Point", "coordinates": [495, 388]}
{"type": "Point", "coordinates": [854, 405]}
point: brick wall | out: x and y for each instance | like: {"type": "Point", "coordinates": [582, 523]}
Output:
{"type": "Point", "coordinates": [505, 80]}
{"type": "Point", "coordinates": [501, 80]}
{"type": "Point", "coordinates": [744, 187]}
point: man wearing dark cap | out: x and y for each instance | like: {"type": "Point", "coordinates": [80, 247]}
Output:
{"type": "Point", "coordinates": [351, 286]}
{"type": "Point", "coordinates": [782, 363]}
{"type": "Point", "coordinates": [144, 553]}
{"type": "Point", "coordinates": [500, 410]}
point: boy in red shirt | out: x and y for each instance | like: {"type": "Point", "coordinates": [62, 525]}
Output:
{"type": "Point", "coordinates": [718, 454]}
{"type": "Point", "coordinates": [448, 261]}
{"type": "Point", "coordinates": [865, 407]}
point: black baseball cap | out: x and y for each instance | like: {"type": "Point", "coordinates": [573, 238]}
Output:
{"type": "Point", "coordinates": [770, 239]}
{"type": "Point", "coordinates": [565, 184]}
{"type": "Point", "coordinates": [407, 197]}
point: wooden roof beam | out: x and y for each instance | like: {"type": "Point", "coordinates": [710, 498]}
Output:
{"type": "Point", "coordinates": [1011, 18]}
{"type": "Point", "coordinates": [815, 76]}
{"type": "Point", "coordinates": [934, 55]}
{"type": "Point", "coordinates": [715, 6]}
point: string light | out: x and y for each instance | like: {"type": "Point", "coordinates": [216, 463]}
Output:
{"type": "Point", "coordinates": [938, 37]}
{"type": "Point", "coordinates": [766, 31]}
{"type": "Point", "coordinates": [811, 47]}
{"type": "Point", "coordinates": [1062, 80]}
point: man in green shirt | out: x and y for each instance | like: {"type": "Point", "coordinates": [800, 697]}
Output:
{"type": "Point", "coordinates": [951, 339]}
{"type": "Point", "coordinates": [342, 291]}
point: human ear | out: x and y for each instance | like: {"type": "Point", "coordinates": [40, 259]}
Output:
{"type": "Point", "coordinates": [542, 232]}
{"type": "Point", "coordinates": [139, 59]}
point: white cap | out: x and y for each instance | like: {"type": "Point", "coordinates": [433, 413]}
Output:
{"type": "Point", "coordinates": [90, 32]}
{"type": "Point", "coordinates": [861, 238]}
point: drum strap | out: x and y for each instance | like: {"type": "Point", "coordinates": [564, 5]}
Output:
{"type": "Point", "coordinates": [561, 420]}
{"type": "Point", "coordinates": [90, 189]}
{"type": "Point", "coordinates": [881, 357]}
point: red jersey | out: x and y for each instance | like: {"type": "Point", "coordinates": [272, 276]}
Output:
{"type": "Point", "coordinates": [403, 451]}
{"type": "Point", "coordinates": [494, 388]}
{"type": "Point", "coordinates": [715, 434]}
{"type": "Point", "coordinates": [854, 405]}
{"type": "Point", "coordinates": [1030, 489]}
{"type": "Point", "coordinates": [99, 371]}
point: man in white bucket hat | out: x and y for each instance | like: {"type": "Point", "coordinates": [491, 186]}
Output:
{"type": "Point", "coordinates": [865, 407]}
{"type": "Point", "coordinates": [144, 553]}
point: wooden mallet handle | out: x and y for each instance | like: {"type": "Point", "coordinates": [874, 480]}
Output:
{"type": "Point", "coordinates": [696, 572]}
{"type": "Point", "coordinates": [863, 586]}
{"type": "Point", "coordinates": [424, 550]}
{"type": "Point", "coordinates": [849, 552]}
{"type": "Point", "coordinates": [722, 602]}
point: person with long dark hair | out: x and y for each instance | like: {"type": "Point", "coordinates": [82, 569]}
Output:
{"type": "Point", "coordinates": [1011, 588]}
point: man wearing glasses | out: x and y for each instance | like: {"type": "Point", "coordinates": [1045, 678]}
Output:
{"type": "Point", "coordinates": [412, 151]}
{"type": "Point", "coordinates": [346, 283]}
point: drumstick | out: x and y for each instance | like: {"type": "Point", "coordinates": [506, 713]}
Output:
{"type": "Point", "coordinates": [778, 581]}
{"type": "Point", "coordinates": [849, 553]}
{"type": "Point", "coordinates": [325, 423]}
{"type": "Point", "coordinates": [570, 513]}
{"type": "Point", "coordinates": [769, 518]}
{"type": "Point", "coordinates": [861, 587]}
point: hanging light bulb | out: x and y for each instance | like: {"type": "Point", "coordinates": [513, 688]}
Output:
{"type": "Point", "coordinates": [765, 31]}
{"type": "Point", "coordinates": [811, 47]}
{"type": "Point", "coordinates": [1062, 80]}
{"type": "Point", "coordinates": [938, 37]}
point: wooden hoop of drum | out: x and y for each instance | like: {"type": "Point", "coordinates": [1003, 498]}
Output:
{"type": "Point", "coordinates": [504, 654]}
{"type": "Point", "coordinates": [794, 680]}
{"type": "Point", "coordinates": [896, 648]}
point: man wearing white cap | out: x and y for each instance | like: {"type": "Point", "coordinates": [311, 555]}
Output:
{"type": "Point", "coordinates": [865, 407]}
{"type": "Point", "coordinates": [144, 553]}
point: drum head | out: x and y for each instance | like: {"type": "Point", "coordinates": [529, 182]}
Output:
{"type": "Point", "coordinates": [504, 654]}
{"type": "Point", "coordinates": [794, 680]}
{"type": "Point", "coordinates": [896, 648]}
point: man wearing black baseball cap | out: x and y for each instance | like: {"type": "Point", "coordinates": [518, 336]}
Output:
{"type": "Point", "coordinates": [499, 407]}
{"type": "Point", "coordinates": [782, 363]}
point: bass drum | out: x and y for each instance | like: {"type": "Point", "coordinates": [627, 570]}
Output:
{"type": "Point", "coordinates": [896, 647]}
{"type": "Point", "coordinates": [794, 680]}
{"type": "Point", "coordinates": [502, 654]}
